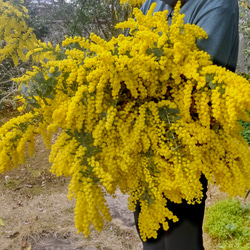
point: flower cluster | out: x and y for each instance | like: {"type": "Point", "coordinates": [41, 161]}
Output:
{"type": "Point", "coordinates": [132, 2]}
{"type": "Point", "coordinates": [14, 30]}
{"type": "Point", "coordinates": [148, 113]}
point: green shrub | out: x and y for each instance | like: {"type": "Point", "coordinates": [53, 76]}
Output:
{"type": "Point", "coordinates": [246, 125]}
{"type": "Point", "coordinates": [246, 132]}
{"type": "Point", "coordinates": [229, 222]}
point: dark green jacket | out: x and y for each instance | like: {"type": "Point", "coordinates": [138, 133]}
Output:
{"type": "Point", "coordinates": [219, 18]}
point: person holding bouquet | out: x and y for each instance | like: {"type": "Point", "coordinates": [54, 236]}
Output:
{"type": "Point", "coordinates": [219, 18]}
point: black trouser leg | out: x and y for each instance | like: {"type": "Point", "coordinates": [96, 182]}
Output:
{"type": "Point", "coordinates": [186, 234]}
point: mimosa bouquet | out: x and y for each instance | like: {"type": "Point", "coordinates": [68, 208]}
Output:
{"type": "Point", "coordinates": [146, 113]}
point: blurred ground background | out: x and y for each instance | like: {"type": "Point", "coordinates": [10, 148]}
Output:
{"type": "Point", "coordinates": [37, 215]}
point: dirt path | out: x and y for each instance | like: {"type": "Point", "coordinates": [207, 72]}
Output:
{"type": "Point", "coordinates": [37, 214]}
